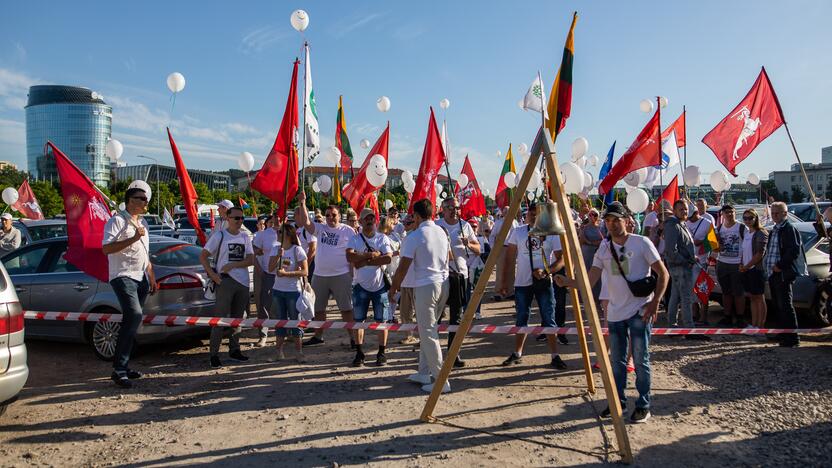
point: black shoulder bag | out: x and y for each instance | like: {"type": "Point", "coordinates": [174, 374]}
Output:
{"type": "Point", "coordinates": [640, 288]}
{"type": "Point", "coordinates": [544, 284]}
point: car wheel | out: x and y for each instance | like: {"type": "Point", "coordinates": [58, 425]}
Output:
{"type": "Point", "coordinates": [822, 306]}
{"type": "Point", "coordinates": [103, 337]}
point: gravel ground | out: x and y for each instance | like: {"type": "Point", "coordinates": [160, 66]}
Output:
{"type": "Point", "coordinates": [733, 401]}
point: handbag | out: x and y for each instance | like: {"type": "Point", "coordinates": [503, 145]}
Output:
{"type": "Point", "coordinates": [306, 301]}
{"type": "Point", "coordinates": [385, 275]}
{"type": "Point", "coordinates": [539, 285]}
{"type": "Point", "coordinates": [210, 290]}
{"type": "Point", "coordinates": [640, 288]}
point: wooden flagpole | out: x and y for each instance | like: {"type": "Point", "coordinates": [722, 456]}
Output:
{"type": "Point", "coordinates": [802, 170]}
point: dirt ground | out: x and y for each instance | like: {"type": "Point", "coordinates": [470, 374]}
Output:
{"type": "Point", "coordinates": [733, 401]}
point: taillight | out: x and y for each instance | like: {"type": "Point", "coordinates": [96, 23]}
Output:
{"type": "Point", "coordinates": [13, 322]}
{"type": "Point", "coordinates": [179, 281]}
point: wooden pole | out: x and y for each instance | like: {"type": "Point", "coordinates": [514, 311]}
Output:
{"type": "Point", "coordinates": [802, 171]}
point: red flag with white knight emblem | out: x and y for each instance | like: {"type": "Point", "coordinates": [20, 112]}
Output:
{"type": "Point", "coordinates": [703, 286]}
{"type": "Point", "coordinates": [26, 202]}
{"type": "Point", "coordinates": [756, 117]}
{"type": "Point", "coordinates": [471, 200]}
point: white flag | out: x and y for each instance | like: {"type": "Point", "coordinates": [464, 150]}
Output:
{"type": "Point", "coordinates": [535, 99]}
{"type": "Point", "coordinates": [670, 151]}
{"type": "Point", "coordinates": [310, 115]}
{"type": "Point", "coordinates": [167, 219]}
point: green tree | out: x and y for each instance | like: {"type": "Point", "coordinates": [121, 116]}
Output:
{"type": "Point", "coordinates": [204, 193]}
{"type": "Point", "coordinates": [49, 198]}
{"type": "Point", "coordinates": [797, 194]}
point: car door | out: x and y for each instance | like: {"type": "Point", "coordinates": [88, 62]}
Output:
{"type": "Point", "coordinates": [23, 266]}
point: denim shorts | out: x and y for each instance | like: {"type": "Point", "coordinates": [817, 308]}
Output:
{"type": "Point", "coordinates": [523, 303]}
{"type": "Point", "coordinates": [361, 300]}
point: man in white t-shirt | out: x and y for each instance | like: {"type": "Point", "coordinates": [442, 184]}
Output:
{"type": "Point", "coordinates": [628, 258]}
{"type": "Point", "coordinates": [702, 208]}
{"type": "Point", "coordinates": [425, 251]}
{"type": "Point", "coordinates": [533, 260]}
{"type": "Point", "coordinates": [651, 219]}
{"type": "Point", "coordinates": [332, 269]}
{"type": "Point", "coordinates": [492, 239]}
{"type": "Point", "coordinates": [464, 242]}
{"type": "Point", "coordinates": [127, 245]}
{"type": "Point", "coordinates": [232, 252]}
{"type": "Point", "coordinates": [730, 235]}
{"type": "Point", "coordinates": [263, 244]}
{"type": "Point", "coordinates": [699, 226]}
{"type": "Point", "coordinates": [368, 252]}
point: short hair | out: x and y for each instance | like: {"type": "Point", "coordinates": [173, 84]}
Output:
{"type": "Point", "coordinates": [235, 208]}
{"type": "Point", "coordinates": [131, 192]}
{"type": "Point", "coordinates": [423, 208]}
{"type": "Point", "coordinates": [449, 200]}
{"type": "Point", "coordinates": [679, 202]}
{"type": "Point", "coordinates": [702, 200]}
{"type": "Point", "coordinates": [780, 205]}
{"type": "Point", "coordinates": [332, 207]}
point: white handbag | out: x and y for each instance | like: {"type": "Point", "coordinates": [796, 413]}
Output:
{"type": "Point", "coordinates": [306, 301]}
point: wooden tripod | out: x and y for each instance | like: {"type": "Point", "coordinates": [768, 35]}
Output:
{"type": "Point", "coordinates": [575, 268]}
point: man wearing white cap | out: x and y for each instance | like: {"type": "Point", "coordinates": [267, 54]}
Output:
{"type": "Point", "coordinates": [9, 235]}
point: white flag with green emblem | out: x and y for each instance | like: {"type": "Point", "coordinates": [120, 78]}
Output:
{"type": "Point", "coordinates": [535, 99]}
{"type": "Point", "coordinates": [310, 116]}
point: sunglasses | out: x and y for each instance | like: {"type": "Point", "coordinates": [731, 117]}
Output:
{"type": "Point", "coordinates": [236, 218]}
{"type": "Point", "coordinates": [748, 218]}
{"type": "Point", "coordinates": [144, 199]}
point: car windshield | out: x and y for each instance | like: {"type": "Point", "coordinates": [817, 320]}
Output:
{"type": "Point", "coordinates": [174, 254]}
{"type": "Point", "coordinates": [47, 231]}
{"type": "Point", "coordinates": [152, 220]}
{"type": "Point", "coordinates": [204, 223]}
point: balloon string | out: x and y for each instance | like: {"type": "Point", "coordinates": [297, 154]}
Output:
{"type": "Point", "coordinates": [172, 105]}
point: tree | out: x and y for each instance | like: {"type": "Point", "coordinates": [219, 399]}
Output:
{"type": "Point", "coordinates": [50, 200]}
{"type": "Point", "coordinates": [203, 192]}
{"type": "Point", "coordinates": [797, 194]}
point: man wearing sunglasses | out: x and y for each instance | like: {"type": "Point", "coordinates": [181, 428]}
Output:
{"type": "Point", "coordinates": [126, 244]}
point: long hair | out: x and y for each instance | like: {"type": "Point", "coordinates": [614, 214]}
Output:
{"type": "Point", "coordinates": [756, 223]}
{"type": "Point", "coordinates": [290, 231]}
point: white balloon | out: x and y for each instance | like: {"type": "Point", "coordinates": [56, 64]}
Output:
{"type": "Point", "coordinates": [753, 179]}
{"type": "Point", "coordinates": [365, 143]}
{"type": "Point", "coordinates": [573, 177]}
{"type": "Point", "coordinates": [114, 149]}
{"type": "Point", "coordinates": [299, 20]}
{"type": "Point", "coordinates": [462, 180]}
{"type": "Point", "coordinates": [499, 154]}
{"type": "Point", "coordinates": [581, 162]}
{"type": "Point", "coordinates": [377, 171]}
{"type": "Point", "coordinates": [383, 104]}
{"type": "Point", "coordinates": [176, 82]}
{"type": "Point", "coordinates": [407, 175]}
{"type": "Point", "coordinates": [10, 195]}
{"type": "Point", "coordinates": [632, 179]}
{"type": "Point", "coordinates": [510, 179]}
{"type": "Point", "coordinates": [445, 103]}
{"type": "Point", "coordinates": [530, 196]}
{"type": "Point", "coordinates": [579, 148]}
{"type": "Point", "coordinates": [324, 183]}
{"type": "Point", "coordinates": [522, 148]}
{"type": "Point", "coordinates": [646, 106]}
{"type": "Point", "coordinates": [663, 102]}
{"type": "Point", "coordinates": [333, 155]}
{"type": "Point", "coordinates": [246, 161]}
{"type": "Point", "coordinates": [315, 187]}
{"type": "Point", "coordinates": [141, 185]}
{"type": "Point", "coordinates": [122, 206]}
{"type": "Point", "coordinates": [589, 181]}
{"type": "Point", "coordinates": [388, 204]}
{"type": "Point", "coordinates": [535, 182]}
{"type": "Point", "coordinates": [444, 195]}
{"type": "Point", "coordinates": [691, 176]}
{"type": "Point", "coordinates": [719, 181]}
{"type": "Point", "coordinates": [593, 160]}
{"type": "Point", "coordinates": [637, 201]}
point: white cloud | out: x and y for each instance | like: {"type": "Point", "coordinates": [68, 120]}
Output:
{"type": "Point", "coordinates": [350, 24]}
{"type": "Point", "coordinates": [365, 129]}
{"type": "Point", "coordinates": [14, 88]}
{"type": "Point", "coordinates": [258, 39]}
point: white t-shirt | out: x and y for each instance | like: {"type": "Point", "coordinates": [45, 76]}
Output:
{"type": "Point", "coordinates": [747, 251]}
{"type": "Point", "coordinates": [288, 262]}
{"type": "Point", "coordinates": [709, 217]}
{"type": "Point", "coordinates": [371, 278]}
{"type": "Point", "coordinates": [519, 237]}
{"type": "Point", "coordinates": [428, 246]}
{"type": "Point", "coordinates": [636, 256]}
{"type": "Point", "coordinates": [729, 244]}
{"type": "Point", "coordinates": [265, 240]}
{"type": "Point", "coordinates": [234, 248]}
{"type": "Point", "coordinates": [131, 261]}
{"type": "Point", "coordinates": [456, 235]}
{"type": "Point", "coordinates": [331, 256]}
{"type": "Point", "coordinates": [699, 231]}
{"type": "Point", "coordinates": [400, 230]}
{"type": "Point", "coordinates": [306, 240]}
{"type": "Point", "coordinates": [492, 239]}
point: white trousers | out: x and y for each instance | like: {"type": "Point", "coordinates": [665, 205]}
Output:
{"type": "Point", "coordinates": [429, 302]}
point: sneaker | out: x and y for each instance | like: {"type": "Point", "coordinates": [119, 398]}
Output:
{"type": "Point", "coordinates": [420, 379]}
{"type": "Point", "coordinates": [313, 341]}
{"type": "Point", "coordinates": [359, 360]}
{"type": "Point", "coordinates": [409, 340]}
{"type": "Point", "coordinates": [458, 362]}
{"type": "Point", "coordinates": [215, 362]}
{"type": "Point", "coordinates": [429, 388]}
{"type": "Point", "coordinates": [301, 358]}
{"type": "Point", "coordinates": [477, 316]}
{"type": "Point", "coordinates": [262, 343]}
{"type": "Point", "coordinates": [541, 338]}
{"type": "Point", "coordinates": [133, 375]}
{"type": "Point", "coordinates": [606, 413]}
{"type": "Point", "coordinates": [381, 359]}
{"type": "Point", "coordinates": [237, 356]}
{"type": "Point", "coordinates": [513, 359]}
{"type": "Point", "coordinates": [558, 363]}
{"type": "Point", "coordinates": [563, 339]}
{"type": "Point", "coordinates": [121, 380]}
{"type": "Point", "coordinates": [640, 415]}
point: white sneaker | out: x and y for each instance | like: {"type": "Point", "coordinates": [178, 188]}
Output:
{"type": "Point", "coordinates": [429, 388]}
{"type": "Point", "coordinates": [477, 316]}
{"type": "Point", "coordinates": [418, 378]}
{"type": "Point", "coordinates": [262, 343]}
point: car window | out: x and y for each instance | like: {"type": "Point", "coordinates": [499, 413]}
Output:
{"type": "Point", "coordinates": [174, 254]}
{"type": "Point", "coordinates": [47, 231]}
{"type": "Point", "coordinates": [60, 265]}
{"type": "Point", "coordinates": [24, 262]}
{"type": "Point", "coordinates": [808, 238]}
{"type": "Point", "coordinates": [823, 246]}
{"type": "Point", "coordinates": [250, 224]}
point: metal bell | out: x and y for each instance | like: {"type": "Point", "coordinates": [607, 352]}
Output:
{"type": "Point", "coordinates": [547, 221]}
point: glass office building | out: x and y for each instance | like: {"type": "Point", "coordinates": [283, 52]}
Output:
{"type": "Point", "coordinates": [77, 121]}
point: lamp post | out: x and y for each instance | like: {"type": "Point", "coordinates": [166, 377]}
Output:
{"type": "Point", "coordinates": [156, 163]}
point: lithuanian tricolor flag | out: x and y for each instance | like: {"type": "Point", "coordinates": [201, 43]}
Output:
{"type": "Point", "coordinates": [336, 188]}
{"type": "Point", "coordinates": [560, 98]}
{"type": "Point", "coordinates": [341, 139]}
{"type": "Point", "coordinates": [710, 244]}
{"type": "Point", "coordinates": [503, 194]}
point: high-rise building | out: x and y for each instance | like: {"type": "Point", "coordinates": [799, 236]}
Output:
{"type": "Point", "coordinates": [77, 121]}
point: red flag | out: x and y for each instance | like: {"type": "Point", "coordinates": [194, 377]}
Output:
{"type": "Point", "coordinates": [356, 192]}
{"type": "Point", "coordinates": [186, 188]}
{"type": "Point", "coordinates": [703, 286]}
{"type": "Point", "coordinates": [671, 192]}
{"type": "Point", "coordinates": [756, 117]}
{"type": "Point", "coordinates": [433, 157]}
{"type": "Point", "coordinates": [471, 199]}
{"type": "Point", "coordinates": [679, 126]}
{"type": "Point", "coordinates": [644, 152]}
{"type": "Point", "coordinates": [278, 178]}
{"type": "Point", "coordinates": [86, 215]}
{"type": "Point", "coordinates": [26, 202]}
{"type": "Point", "coordinates": [372, 199]}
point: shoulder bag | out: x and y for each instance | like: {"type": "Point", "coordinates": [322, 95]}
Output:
{"type": "Point", "coordinates": [306, 301]}
{"type": "Point", "coordinates": [539, 285]}
{"type": "Point", "coordinates": [640, 288]}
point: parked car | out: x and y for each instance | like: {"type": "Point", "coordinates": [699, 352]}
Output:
{"type": "Point", "coordinates": [13, 368]}
{"type": "Point", "coordinates": [806, 211]}
{"type": "Point", "coordinates": [35, 230]}
{"type": "Point", "coordinates": [811, 294]}
{"type": "Point", "coordinates": [45, 281]}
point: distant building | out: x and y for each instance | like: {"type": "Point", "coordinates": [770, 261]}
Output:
{"type": "Point", "coordinates": [77, 121]}
{"type": "Point", "coordinates": [819, 176]}
{"type": "Point", "coordinates": [746, 193]}
{"type": "Point", "coordinates": [7, 164]}
{"type": "Point", "coordinates": [826, 155]}
{"type": "Point", "coordinates": [147, 173]}
{"type": "Point", "coordinates": [394, 177]}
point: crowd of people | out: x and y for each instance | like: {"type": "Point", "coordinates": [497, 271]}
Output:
{"type": "Point", "coordinates": [429, 260]}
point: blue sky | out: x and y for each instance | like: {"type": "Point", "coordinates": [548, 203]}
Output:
{"type": "Point", "coordinates": [482, 56]}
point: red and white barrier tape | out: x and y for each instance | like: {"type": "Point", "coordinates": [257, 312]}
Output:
{"type": "Point", "coordinates": [174, 320]}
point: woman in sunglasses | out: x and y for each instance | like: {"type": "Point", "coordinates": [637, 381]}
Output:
{"type": "Point", "coordinates": [752, 251]}
{"type": "Point", "coordinates": [590, 237]}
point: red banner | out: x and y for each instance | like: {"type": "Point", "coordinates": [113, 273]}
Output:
{"type": "Point", "coordinates": [26, 202]}
{"type": "Point", "coordinates": [471, 199]}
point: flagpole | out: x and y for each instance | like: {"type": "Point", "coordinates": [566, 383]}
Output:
{"type": "Point", "coordinates": [802, 170]}
{"type": "Point", "coordinates": [685, 157]}
{"type": "Point", "coordinates": [305, 97]}
{"type": "Point", "coordinates": [661, 159]}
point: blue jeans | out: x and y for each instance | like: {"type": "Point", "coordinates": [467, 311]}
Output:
{"type": "Point", "coordinates": [681, 295]}
{"type": "Point", "coordinates": [131, 295]}
{"type": "Point", "coordinates": [523, 304]}
{"type": "Point", "coordinates": [620, 334]}
{"type": "Point", "coordinates": [284, 305]}
{"type": "Point", "coordinates": [361, 300]}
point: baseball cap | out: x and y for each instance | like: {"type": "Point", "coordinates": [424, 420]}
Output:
{"type": "Point", "coordinates": [615, 209]}
{"type": "Point", "coordinates": [6, 216]}
{"type": "Point", "coordinates": [367, 212]}
{"type": "Point", "coordinates": [226, 204]}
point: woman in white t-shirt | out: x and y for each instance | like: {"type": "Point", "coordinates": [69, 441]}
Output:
{"type": "Point", "coordinates": [752, 251]}
{"type": "Point", "coordinates": [288, 262]}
